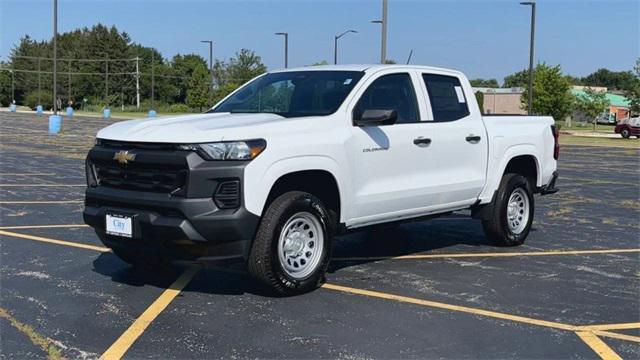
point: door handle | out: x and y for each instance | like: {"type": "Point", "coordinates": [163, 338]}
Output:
{"type": "Point", "coordinates": [473, 138]}
{"type": "Point", "coordinates": [421, 141]}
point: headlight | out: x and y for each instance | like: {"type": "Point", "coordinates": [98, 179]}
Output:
{"type": "Point", "coordinates": [229, 150]}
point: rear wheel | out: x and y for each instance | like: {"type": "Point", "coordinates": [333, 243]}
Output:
{"type": "Point", "coordinates": [513, 208]}
{"type": "Point", "coordinates": [625, 133]}
{"type": "Point", "coordinates": [292, 247]}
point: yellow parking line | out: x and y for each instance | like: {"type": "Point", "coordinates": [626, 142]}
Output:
{"type": "Point", "coordinates": [43, 185]}
{"type": "Point", "coordinates": [623, 326]}
{"type": "Point", "coordinates": [617, 335]}
{"type": "Point", "coordinates": [124, 342]}
{"type": "Point", "coordinates": [54, 241]}
{"type": "Point", "coordinates": [42, 226]}
{"type": "Point", "coordinates": [439, 305]}
{"type": "Point", "coordinates": [43, 202]}
{"type": "Point", "coordinates": [478, 255]}
{"type": "Point", "coordinates": [596, 344]}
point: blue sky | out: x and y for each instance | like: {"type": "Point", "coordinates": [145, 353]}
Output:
{"type": "Point", "coordinates": [486, 39]}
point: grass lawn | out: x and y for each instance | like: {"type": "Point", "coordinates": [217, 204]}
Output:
{"type": "Point", "coordinates": [632, 143]}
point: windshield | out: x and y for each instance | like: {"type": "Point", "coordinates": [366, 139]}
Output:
{"type": "Point", "coordinates": [293, 93]}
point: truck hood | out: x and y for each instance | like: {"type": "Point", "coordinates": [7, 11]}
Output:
{"type": "Point", "coordinates": [190, 128]}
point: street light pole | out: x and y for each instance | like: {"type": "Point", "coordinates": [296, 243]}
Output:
{"type": "Point", "coordinates": [286, 48]}
{"type": "Point", "coordinates": [531, 49]}
{"type": "Point", "coordinates": [335, 44]}
{"type": "Point", "coordinates": [55, 57]}
{"type": "Point", "coordinates": [210, 68]}
{"type": "Point", "coordinates": [383, 36]}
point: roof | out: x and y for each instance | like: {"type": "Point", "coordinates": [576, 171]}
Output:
{"type": "Point", "coordinates": [361, 67]}
{"type": "Point", "coordinates": [614, 99]}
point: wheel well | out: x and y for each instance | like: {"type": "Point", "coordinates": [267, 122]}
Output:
{"type": "Point", "coordinates": [320, 183]}
{"type": "Point", "coordinates": [524, 165]}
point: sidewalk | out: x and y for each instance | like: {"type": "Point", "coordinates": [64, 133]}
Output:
{"type": "Point", "coordinates": [609, 135]}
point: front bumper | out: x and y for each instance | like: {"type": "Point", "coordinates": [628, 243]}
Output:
{"type": "Point", "coordinates": [188, 224]}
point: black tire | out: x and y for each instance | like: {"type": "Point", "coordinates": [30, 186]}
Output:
{"type": "Point", "coordinates": [497, 228]}
{"type": "Point", "coordinates": [625, 133]}
{"type": "Point", "coordinates": [264, 263]}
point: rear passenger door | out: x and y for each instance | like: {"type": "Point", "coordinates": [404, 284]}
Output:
{"type": "Point", "coordinates": [458, 151]}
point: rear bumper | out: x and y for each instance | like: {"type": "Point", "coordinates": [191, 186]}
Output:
{"type": "Point", "coordinates": [180, 228]}
{"type": "Point", "coordinates": [550, 188]}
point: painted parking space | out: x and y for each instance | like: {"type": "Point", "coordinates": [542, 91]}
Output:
{"type": "Point", "coordinates": [422, 290]}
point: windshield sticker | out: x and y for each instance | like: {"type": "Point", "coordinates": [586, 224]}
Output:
{"type": "Point", "coordinates": [347, 82]}
{"type": "Point", "coordinates": [460, 94]}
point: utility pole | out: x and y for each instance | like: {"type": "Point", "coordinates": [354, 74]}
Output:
{"type": "Point", "coordinates": [55, 57]}
{"type": "Point", "coordinates": [137, 83]}
{"type": "Point", "coordinates": [106, 84]}
{"type": "Point", "coordinates": [69, 80]}
{"type": "Point", "coordinates": [210, 68]}
{"type": "Point", "coordinates": [153, 80]}
{"type": "Point", "coordinates": [531, 55]}
{"type": "Point", "coordinates": [335, 44]}
{"type": "Point", "coordinates": [39, 81]}
{"type": "Point", "coordinates": [383, 36]}
{"type": "Point", "coordinates": [286, 48]}
{"type": "Point", "coordinates": [13, 85]}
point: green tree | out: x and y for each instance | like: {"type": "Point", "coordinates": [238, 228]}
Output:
{"type": "Point", "coordinates": [183, 67]}
{"type": "Point", "coordinates": [5, 85]}
{"type": "Point", "coordinates": [613, 80]}
{"type": "Point", "coordinates": [198, 91]}
{"type": "Point", "coordinates": [323, 62]}
{"type": "Point", "coordinates": [632, 91]}
{"type": "Point", "coordinates": [480, 100]}
{"type": "Point", "coordinates": [489, 83]}
{"type": "Point", "coordinates": [551, 95]}
{"type": "Point", "coordinates": [592, 104]}
{"type": "Point", "coordinates": [518, 79]}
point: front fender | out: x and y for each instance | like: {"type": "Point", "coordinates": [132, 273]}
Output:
{"type": "Point", "coordinates": [259, 180]}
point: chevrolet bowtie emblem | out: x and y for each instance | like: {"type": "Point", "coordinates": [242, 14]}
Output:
{"type": "Point", "coordinates": [124, 157]}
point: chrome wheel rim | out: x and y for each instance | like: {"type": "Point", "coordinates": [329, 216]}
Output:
{"type": "Point", "coordinates": [300, 245]}
{"type": "Point", "coordinates": [518, 211]}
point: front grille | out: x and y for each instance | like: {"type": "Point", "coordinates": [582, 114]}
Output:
{"type": "Point", "coordinates": [227, 195]}
{"type": "Point", "coordinates": [141, 178]}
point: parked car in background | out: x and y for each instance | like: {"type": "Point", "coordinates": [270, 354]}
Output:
{"type": "Point", "coordinates": [628, 127]}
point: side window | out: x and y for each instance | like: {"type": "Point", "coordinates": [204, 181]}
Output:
{"type": "Point", "coordinates": [390, 92]}
{"type": "Point", "coordinates": [448, 101]}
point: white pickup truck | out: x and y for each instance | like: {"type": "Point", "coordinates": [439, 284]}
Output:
{"type": "Point", "coordinates": [294, 157]}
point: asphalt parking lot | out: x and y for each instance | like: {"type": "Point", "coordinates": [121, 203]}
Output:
{"type": "Point", "coordinates": [433, 289]}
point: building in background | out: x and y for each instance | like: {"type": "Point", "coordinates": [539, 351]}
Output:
{"type": "Point", "coordinates": [502, 100]}
{"type": "Point", "coordinates": [618, 105]}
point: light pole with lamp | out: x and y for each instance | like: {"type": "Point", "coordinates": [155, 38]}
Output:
{"type": "Point", "coordinates": [383, 36]}
{"type": "Point", "coordinates": [286, 48]}
{"type": "Point", "coordinates": [531, 47]}
{"type": "Point", "coordinates": [335, 44]}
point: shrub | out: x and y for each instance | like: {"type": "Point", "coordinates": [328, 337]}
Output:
{"type": "Point", "coordinates": [179, 108]}
{"type": "Point", "coordinates": [46, 99]}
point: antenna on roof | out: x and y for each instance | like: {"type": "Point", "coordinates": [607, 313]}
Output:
{"type": "Point", "coordinates": [409, 58]}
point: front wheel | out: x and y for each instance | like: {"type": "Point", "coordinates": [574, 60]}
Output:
{"type": "Point", "coordinates": [625, 133]}
{"type": "Point", "coordinates": [512, 216]}
{"type": "Point", "coordinates": [291, 250]}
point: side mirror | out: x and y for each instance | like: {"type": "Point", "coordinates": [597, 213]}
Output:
{"type": "Point", "coordinates": [376, 117]}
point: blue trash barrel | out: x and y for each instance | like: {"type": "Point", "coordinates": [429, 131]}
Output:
{"type": "Point", "coordinates": [152, 114]}
{"type": "Point", "coordinates": [12, 107]}
{"type": "Point", "coordinates": [39, 109]}
{"type": "Point", "coordinates": [55, 124]}
{"type": "Point", "coordinates": [69, 111]}
{"type": "Point", "coordinates": [106, 113]}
